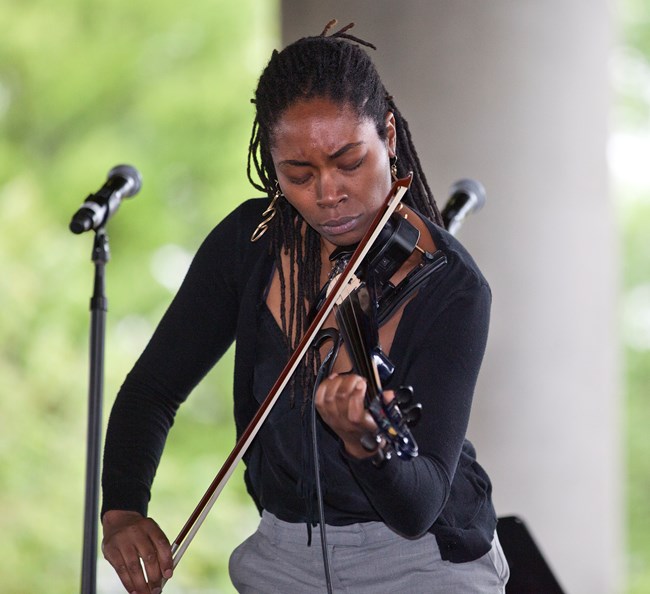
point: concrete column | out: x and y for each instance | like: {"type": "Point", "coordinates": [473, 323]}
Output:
{"type": "Point", "coordinates": [515, 94]}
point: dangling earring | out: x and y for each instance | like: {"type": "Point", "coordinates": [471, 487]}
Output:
{"type": "Point", "coordinates": [267, 215]}
{"type": "Point", "coordinates": [393, 167]}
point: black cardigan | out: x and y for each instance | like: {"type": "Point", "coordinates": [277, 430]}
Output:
{"type": "Point", "coordinates": [437, 349]}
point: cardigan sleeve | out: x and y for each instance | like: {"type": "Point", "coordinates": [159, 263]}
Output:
{"type": "Point", "coordinates": [441, 360]}
{"type": "Point", "coordinates": [196, 330]}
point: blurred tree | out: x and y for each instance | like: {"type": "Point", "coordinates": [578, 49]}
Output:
{"type": "Point", "coordinates": [84, 86]}
{"type": "Point", "coordinates": [631, 146]}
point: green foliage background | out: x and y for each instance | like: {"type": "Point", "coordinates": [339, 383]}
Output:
{"type": "Point", "coordinates": [631, 77]}
{"type": "Point", "coordinates": [84, 86]}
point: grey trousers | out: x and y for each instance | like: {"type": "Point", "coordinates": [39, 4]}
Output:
{"type": "Point", "coordinates": [366, 558]}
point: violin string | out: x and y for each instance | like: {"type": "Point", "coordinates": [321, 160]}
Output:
{"type": "Point", "coordinates": [354, 331]}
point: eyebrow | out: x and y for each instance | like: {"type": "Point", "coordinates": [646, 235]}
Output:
{"type": "Point", "coordinates": [332, 157]}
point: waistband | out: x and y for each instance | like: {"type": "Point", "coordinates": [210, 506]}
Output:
{"type": "Point", "coordinates": [361, 534]}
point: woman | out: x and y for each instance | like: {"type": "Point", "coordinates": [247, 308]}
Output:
{"type": "Point", "coordinates": [327, 141]}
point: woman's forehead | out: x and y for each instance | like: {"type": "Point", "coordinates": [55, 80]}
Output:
{"type": "Point", "coordinates": [315, 109]}
{"type": "Point", "coordinates": [318, 106]}
{"type": "Point", "coordinates": [320, 123]}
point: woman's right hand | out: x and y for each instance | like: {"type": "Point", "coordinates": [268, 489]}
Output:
{"type": "Point", "coordinates": [128, 538]}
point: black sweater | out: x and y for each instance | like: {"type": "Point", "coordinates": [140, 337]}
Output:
{"type": "Point", "coordinates": [437, 349]}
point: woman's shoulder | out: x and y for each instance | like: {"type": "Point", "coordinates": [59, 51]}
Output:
{"type": "Point", "coordinates": [247, 213]}
{"type": "Point", "coordinates": [461, 265]}
{"type": "Point", "coordinates": [236, 228]}
{"type": "Point", "coordinates": [227, 249]}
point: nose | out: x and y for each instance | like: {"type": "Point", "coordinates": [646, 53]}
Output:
{"type": "Point", "coordinates": [329, 192]}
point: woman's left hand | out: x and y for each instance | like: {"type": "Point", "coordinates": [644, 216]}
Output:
{"type": "Point", "coordinates": [340, 400]}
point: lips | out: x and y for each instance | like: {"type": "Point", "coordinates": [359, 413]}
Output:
{"type": "Point", "coordinates": [340, 226]}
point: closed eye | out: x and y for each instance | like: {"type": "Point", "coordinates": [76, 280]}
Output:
{"type": "Point", "coordinates": [352, 166]}
{"type": "Point", "coordinates": [299, 180]}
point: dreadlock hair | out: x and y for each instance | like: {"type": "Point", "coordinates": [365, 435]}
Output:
{"type": "Point", "coordinates": [331, 67]}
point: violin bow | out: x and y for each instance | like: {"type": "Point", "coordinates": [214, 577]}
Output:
{"type": "Point", "coordinates": [191, 527]}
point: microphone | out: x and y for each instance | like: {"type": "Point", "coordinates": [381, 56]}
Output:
{"type": "Point", "coordinates": [465, 196]}
{"type": "Point", "coordinates": [122, 181]}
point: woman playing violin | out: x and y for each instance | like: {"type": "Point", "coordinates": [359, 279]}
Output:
{"type": "Point", "coordinates": [327, 142]}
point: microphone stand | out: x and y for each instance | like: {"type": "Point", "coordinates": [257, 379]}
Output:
{"type": "Point", "coordinates": [98, 308]}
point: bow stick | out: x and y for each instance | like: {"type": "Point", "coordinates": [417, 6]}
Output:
{"type": "Point", "coordinates": [191, 527]}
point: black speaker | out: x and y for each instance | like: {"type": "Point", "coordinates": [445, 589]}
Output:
{"type": "Point", "coordinates": [529, 571]}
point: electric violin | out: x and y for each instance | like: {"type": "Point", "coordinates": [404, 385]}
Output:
{"type": "Point", "coordinates": [357, 317]}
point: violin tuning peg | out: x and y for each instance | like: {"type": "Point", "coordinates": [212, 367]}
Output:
{"type": "Point", "coordinates": [380, 457]}
{"type": "Point", "coordinates": [412, 414]}
{"type": "Point", "coordinates": [370, 442]}
{"type": "Point", "coordinates": [403, 395]}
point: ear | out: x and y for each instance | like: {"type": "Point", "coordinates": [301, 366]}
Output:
{"type": "Point", "coordinates": [391, 133]}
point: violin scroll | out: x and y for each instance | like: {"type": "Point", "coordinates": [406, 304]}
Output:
{"type": "Point", "coordinates": [412, 413]}
{"type": "Point", "coordinates": [393, 420]}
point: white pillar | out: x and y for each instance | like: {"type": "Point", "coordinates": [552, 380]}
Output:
{"type": "Point", "coordinates": [515, 94]}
